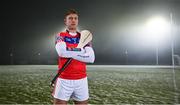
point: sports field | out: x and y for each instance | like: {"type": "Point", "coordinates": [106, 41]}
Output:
{"type": "Point", "coordinates": [107, 85]}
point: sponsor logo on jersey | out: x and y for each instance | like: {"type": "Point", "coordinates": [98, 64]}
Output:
{"type": "Point", "coordinates": [71, 40]}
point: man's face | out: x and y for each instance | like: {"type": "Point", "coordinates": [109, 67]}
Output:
{"type": "Point", "coordinates": [71, 21]}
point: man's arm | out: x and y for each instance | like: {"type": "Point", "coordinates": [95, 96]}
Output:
{"type": "Point", "coordinates": [88, 56]}
{"type": "Point", "coordinates": [84, 55]}
{"type": "Point", "coordinates": [63, 52]}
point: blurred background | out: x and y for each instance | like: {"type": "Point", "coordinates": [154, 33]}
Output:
{"type": "Point", "coordinates": [125, 32]}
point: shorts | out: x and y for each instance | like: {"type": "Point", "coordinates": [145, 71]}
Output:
{"type": "Point", "coordinates": [65, 89]}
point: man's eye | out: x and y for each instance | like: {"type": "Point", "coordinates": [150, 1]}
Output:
{"type": "Point", "coordinates": [70, 18]}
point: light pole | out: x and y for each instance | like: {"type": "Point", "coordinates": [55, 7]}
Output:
{"type": "Point", "coordinates": [11, 56]}
{"type": "Point", "coordinates": [173, 66]}
{"type": "Point", "coordinates": [157, 54]}
{"type": "Point", "coordinates": [39, 60]}
{"type": "Point", "coordinates": [172, 41]}
{"type": "Point", "coordinates": [126, 53]}
{"type": "Point", "coordinates": [157, 28]}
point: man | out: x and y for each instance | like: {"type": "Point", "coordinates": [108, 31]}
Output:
{"type": "Point", "coordinates": [72, 83]}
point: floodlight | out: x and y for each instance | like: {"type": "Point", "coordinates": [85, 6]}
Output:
{"type": "Point", "coordinates": [157, 28]}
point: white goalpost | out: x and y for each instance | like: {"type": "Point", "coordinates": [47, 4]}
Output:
{"type": "Point", "coordinates": [177, 58]}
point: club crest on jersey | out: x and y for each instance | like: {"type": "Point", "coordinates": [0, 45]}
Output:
{"type": "Point", "coordinates": [59, 38]}
{"type": "Point", "coordinates": [71, 40]}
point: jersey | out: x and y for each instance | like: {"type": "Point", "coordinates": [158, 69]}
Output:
{"type": "Point", "coordinates": [76, 69]}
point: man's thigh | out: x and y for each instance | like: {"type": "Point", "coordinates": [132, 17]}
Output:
{"type": "Point", "coordinates": [81, 92]}
{"type": "Point", "coordinates": [62, 89]}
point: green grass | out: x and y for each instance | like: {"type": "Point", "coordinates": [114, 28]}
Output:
{"type": "Point", "coordinates": [30, 85]}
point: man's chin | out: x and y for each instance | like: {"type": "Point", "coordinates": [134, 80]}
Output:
{"type": "Point", "coordinates": [73, 27]}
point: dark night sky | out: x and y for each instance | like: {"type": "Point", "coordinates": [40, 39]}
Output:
{"type": "Point", "coordinates": [28, 28]}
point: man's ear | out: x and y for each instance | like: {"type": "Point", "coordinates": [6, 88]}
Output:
{"type": "Point", "coordinates": [65, 21]}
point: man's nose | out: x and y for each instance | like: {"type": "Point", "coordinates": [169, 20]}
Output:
{"type": "Point", "coordinates": [73, 19]}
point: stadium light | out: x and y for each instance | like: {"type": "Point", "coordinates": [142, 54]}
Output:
{"type": "Point", "coordinates": [157, 29]}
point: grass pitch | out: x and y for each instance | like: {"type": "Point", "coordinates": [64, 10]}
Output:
{"type": "Point", "coordinates": [107, 85]}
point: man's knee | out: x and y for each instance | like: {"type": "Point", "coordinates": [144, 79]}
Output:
{"type": "Point", "coordinates": [60, 102]}
{"type": "Point", "coordinates": [81, 102]}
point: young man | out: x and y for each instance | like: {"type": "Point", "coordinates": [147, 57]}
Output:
{"type": "Point", "coordinates": [72, 83]}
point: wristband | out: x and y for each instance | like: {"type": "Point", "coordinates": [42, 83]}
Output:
{"type": "Point", "coordinates": [73, 49]}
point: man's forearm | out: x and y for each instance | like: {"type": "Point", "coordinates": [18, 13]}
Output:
{"type": "Point", "coordinates": [63, 51]}
{"type": "Point", "coordinates": [87, 57]}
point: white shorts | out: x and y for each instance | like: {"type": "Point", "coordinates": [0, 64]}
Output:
{"type": "Point", "coordinates": [76, 89]}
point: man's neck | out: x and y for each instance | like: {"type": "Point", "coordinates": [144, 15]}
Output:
{"type": "Point", "coordinates": [72, 30]}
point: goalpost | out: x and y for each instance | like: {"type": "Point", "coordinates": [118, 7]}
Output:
{"type": "Point", "coordinates": [177, 58]}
